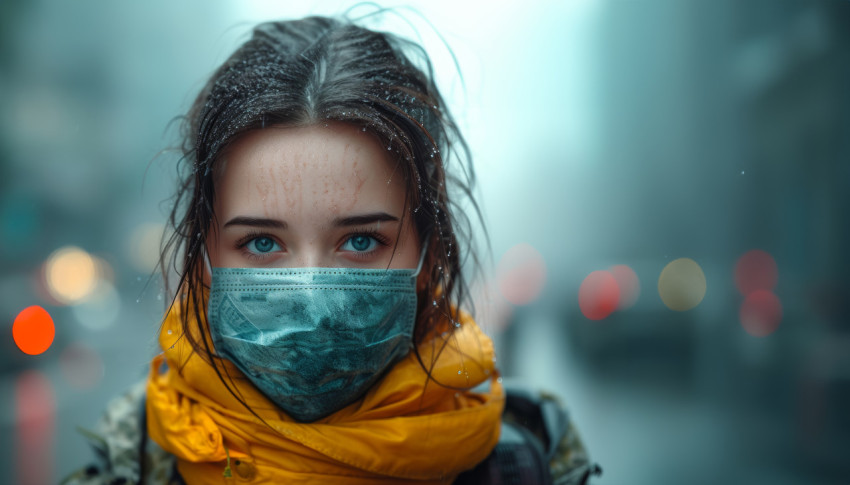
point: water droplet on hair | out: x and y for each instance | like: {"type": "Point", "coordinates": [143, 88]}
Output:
{"type": "Point", "coordinates": [435, 302]}
{"type": "Point", "coordinates": [389, 148]}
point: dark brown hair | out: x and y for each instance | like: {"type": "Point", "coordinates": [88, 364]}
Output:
{"type": "Point", "coordinates": [319, 70]}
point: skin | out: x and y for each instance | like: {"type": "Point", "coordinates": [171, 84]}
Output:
{"type": "Point", "coordinates": [288, 197]}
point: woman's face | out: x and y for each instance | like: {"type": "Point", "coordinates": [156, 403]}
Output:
{"type": "Point", "coordinates": [315, 196]}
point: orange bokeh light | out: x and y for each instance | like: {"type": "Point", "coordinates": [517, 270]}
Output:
{"type": "Point", "coordinates": [33, 330]}
{"type": "Point", "coordinates": [598, 295]}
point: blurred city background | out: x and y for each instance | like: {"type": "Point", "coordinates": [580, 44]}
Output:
{"type": "Point", "coordinates": [666, 184]}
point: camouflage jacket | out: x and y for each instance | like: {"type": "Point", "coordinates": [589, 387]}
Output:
{"type": "Point", "coordinates": [125, 456]}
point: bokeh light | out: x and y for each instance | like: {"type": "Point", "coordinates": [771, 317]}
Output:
{"type": "Point", "coordinates": [492, 312]}
{"type": "Point", "coordinates": [627, 281]}
{"type": "Point", "coordinates": [761, 313]}
{"type": "Point", "coordinates": [100, 309]}
{"type": "Point", "coordinates": [35, 410]}
{"type": "Point", "coordinates": [521, 274]}
{"type": "Point", "coordinates": [598, 295]}
{"type": "Point", "coordinates": [70, 274]}
{"type": "Point", "coordinates": [33, 330]}
{"type": "Point", "coordinates": [81, 366]}
{"type": "Point", "coordinates": [143, 246]}
{"type": "Point", "coordinates": [682, 284]}
{"type": "Point", "coordinates": [756, 270]}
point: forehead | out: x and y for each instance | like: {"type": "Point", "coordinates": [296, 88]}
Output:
{"type": "Point", "coordinates": [288, 172]}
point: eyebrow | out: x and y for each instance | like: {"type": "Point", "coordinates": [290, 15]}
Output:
{"type": "Point", "coordinates": [358, 220]}
{"type": "Point", "coordinates": [256, 222]}
{"type": "Point", "coordinates": [364, 219]}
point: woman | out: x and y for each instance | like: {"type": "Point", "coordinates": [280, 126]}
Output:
{"type": "Point", "coordinates": [315, 334]}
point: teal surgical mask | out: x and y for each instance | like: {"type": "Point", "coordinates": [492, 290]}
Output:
{"type": "Point", "coordinates": [313, 340]}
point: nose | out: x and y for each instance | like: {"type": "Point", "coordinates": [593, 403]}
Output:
{"type": "Point", "coordinates": [310, 255]}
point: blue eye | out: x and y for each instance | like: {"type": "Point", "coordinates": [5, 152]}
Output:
{"type": "Point", "coordinates": [261, 245]}
{"type": "Point", "coordinates": [360, 243]}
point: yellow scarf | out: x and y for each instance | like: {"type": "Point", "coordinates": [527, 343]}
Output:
{"type": "Point", "coordinates": [405, 429]}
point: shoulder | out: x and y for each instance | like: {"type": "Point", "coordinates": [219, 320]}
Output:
{"type": "Point", "coordinates": [539, 444]}
{"type": "Point", "coordinates": [123, 454]}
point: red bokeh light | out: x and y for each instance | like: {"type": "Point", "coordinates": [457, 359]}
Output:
{"type": "Point", "coordinates": [756, 270]}
{"type": "Point", "coordinates": [598, 295]}
{"type": "Point", "coordinates": [35, 410]}
{"type": "Point", "coordinates": [761, 313]}
{"type": "Point", "coordinates": [81, 366]}
{"type": "Point", "coordinates": [627, 281]}
{"type": "Point", "coordinates": [522, 274]}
